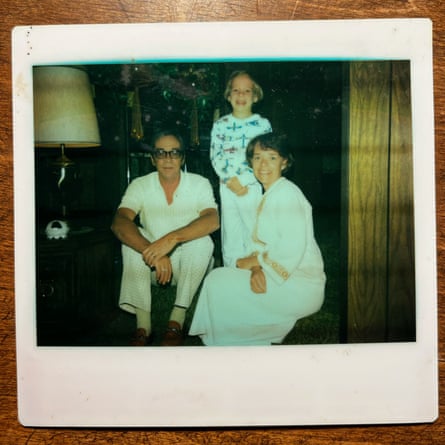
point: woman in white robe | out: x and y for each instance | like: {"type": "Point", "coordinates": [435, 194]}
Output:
{"type": "Point", "coordinates": [283, 279]}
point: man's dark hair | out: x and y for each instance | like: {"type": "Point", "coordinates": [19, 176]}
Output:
{"type": "Point", "coordinates": [161, 133]}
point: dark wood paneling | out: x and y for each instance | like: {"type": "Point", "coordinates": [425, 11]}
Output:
{"type": "Point", "coordinates": [401, 277]}
{"type": "Point", "coordinates": [381, 276]}
{"type": "Point", "coordinates": [369, 110]}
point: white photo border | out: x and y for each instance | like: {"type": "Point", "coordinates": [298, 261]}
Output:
{"type": "Point", "coordinates": [227, 386]}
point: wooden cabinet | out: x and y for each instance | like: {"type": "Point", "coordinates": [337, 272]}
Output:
{"type": "Point", "coordinates": [75, 284]}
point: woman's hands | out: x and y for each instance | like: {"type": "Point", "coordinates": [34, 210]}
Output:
{"type": "Point", "coordinates": [258, 280]}
{"type": "Point", "coordinates": [247, 263]}
{"type": "Point", "coordinates": [257, 276]}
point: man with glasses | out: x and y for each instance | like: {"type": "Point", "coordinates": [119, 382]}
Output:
{"type": "Point", "coordinates": [177, 212]}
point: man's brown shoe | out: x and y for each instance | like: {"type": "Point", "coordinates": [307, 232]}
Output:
{"type": "Point", "coordinates": [173, 334]}
{"type": "Point", "coordinates": [141, 338]}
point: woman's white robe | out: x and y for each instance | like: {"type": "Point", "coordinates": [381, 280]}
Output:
{"type": "Point", "coordinates": [228, 312]}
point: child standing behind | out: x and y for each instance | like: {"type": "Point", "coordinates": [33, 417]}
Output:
{"type": "Point", "coordinates": [240, 192]}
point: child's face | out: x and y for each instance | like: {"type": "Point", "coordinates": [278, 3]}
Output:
{"type": "Point", "coordinates": [242, 96]}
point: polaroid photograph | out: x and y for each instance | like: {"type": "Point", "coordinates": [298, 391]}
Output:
{"type": "Point", "coordinates": [213, 231]}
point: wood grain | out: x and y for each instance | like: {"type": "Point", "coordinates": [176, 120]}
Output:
{"type": "Point", "coordinates": [24, 12]}
{"type": "Point", "coordinates": [381, 288]}
{"type": "Point", "coordinates": [368, 200]}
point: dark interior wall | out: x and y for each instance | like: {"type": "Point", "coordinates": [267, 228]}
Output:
{"type": "Point", "coordinates": [304, 102]}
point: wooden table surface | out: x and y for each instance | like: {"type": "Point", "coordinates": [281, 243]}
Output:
{"type": "Point", "coordinates": [43, 12]}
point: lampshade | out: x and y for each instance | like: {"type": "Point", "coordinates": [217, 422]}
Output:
{"type": "Point", "coordinates": [64, 113]}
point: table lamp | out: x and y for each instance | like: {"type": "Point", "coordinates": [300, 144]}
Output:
{"type": "Point", "coordinates": [64, 113]}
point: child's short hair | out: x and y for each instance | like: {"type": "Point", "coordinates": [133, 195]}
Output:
{"type": "Point", "coordinates": [257, 90]}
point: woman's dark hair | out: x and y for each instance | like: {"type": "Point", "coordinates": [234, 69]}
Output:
{"type": "Point", "coordinates": [271, 141]}
{"type": "Point", "coordinates": [161, 133]}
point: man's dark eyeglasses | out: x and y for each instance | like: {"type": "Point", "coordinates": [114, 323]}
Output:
{"type": "Point", "coordinates": [172, 154]}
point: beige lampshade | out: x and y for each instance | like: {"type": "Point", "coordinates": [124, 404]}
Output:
{"type": "Point", "coordinates": [64, 112]}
